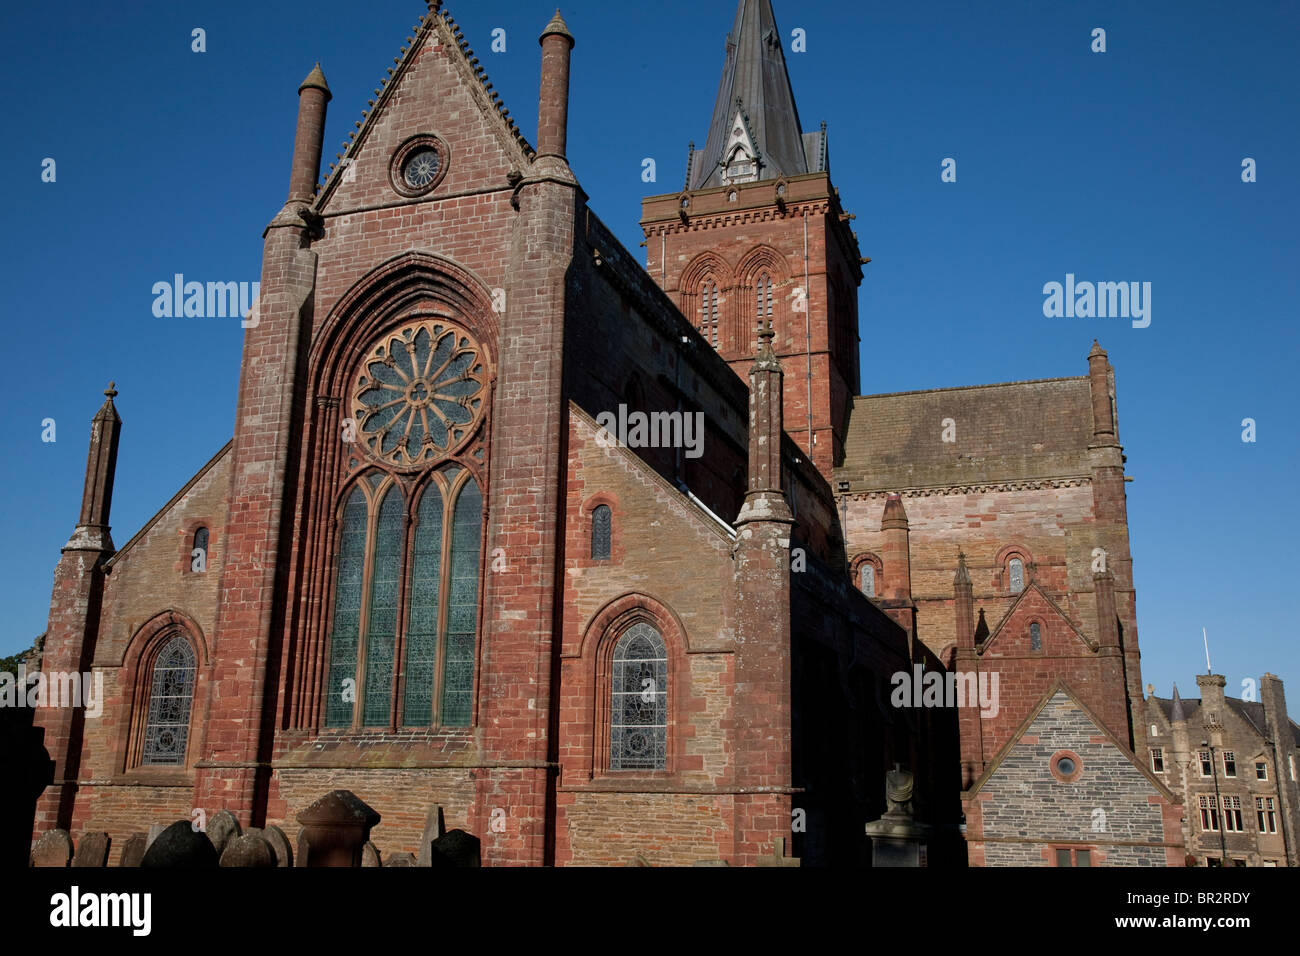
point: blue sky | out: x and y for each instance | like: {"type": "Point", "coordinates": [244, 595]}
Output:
{"type": "Point", "coordinates": [1123, 165]}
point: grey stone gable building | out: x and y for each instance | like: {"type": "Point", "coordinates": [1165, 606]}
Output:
{"type": "Point", "coordinates": [1064, 791]}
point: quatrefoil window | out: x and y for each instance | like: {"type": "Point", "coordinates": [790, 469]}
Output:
{"type": "Point", "coordinates": [419, 394]}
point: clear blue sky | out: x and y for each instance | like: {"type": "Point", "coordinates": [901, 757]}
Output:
{"type": "Point", "coordinates": [1117, 166]}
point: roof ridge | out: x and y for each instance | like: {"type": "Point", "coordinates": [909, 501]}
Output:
{"type": "Point", "coordinates": [157, 516]}
{"type": "Point", "coordinates": [965, 388]}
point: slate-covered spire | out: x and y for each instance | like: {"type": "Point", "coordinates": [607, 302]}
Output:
{"type": "Point", "coordinates": [755, 132]}
{"type": "Point", "coordinates": [1176, 712]}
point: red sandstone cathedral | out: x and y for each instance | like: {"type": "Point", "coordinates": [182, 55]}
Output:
{"type": "Point", "coordinates": [423, 573]}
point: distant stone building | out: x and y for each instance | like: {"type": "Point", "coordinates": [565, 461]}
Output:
{"type": "Point", "coordinates": [1234, 762]}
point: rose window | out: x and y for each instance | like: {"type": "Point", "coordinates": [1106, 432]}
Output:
{"type": "Point", "coordinates": [419, 393]}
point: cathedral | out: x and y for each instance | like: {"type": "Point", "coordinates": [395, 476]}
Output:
{"type": "Point", "coordinates": [425, 571]}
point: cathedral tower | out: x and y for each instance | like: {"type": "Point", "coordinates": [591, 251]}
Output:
{"type": "Point", "coordinates": [757, 234]}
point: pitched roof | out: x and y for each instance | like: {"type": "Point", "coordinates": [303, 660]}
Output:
{"type": "Point", "coordinates": [1059, 686]}
{"type": "Point", "coordinates": [440, 22]}
{"type": "Point", "coordinates": [185, 489]}
{"type": "Point", "coordinates": [756, 84]}
{"type": "Point", "coordinates": [1033, 588]}
{"type": "Point", "coordinates": [1251, 711]}
{"type": "Point", "coordinates": [1014, 431]}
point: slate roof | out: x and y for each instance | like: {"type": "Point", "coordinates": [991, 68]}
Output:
{"type": "Point", "coordinates": [1014, 431]}
{"type": "Point", "coordinates": [754, 73]}
{"type": "Point", "coordinates": [1251, 711]}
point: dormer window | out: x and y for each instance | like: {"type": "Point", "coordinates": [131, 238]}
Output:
{"type": "Point", "coordinates": [741, 167]}
{"type": "Point", "coordinates": [740, 158]}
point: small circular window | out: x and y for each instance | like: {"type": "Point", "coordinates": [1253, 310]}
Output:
{"type": "Point", "coordinates": [1066, 766]}
{"type": "Point", "coordinates": [418, 165]}
{"type": "Point", "coordinates": [421, 168]}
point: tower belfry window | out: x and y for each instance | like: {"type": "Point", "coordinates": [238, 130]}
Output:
{"type": "Point", "coordinates": [709, 311]}
{"type": "Point", "coordinates": [763, 299]}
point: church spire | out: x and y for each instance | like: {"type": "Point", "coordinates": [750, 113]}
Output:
{"type": "Point", "coordinates": [755, 132]}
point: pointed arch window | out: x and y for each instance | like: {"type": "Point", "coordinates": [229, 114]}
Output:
{"type": "Point", "coordinates": [436, 638]}
{"type": "Point", "coordinates": [601, 524]}
{"type": "Point", "coordinates": [763, 298]}
{"type": "Point", "coordinates": [638, 732]}
{"type": "Point", "coordinates": [708, 324]}
{"type": "Point", "coordinates": [171, 695]}
{"type": "Point", "coordinates": [1035, 636]}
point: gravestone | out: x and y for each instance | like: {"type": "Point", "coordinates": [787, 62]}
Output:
{"type": "Point", "coordinates": [896, 838]}
{"type": "Point", "coordinates": [28, 769]}
{"type": "Point", "coordinates": [133, 849]}
{"type": "Point", "coordinates": [249, 850]}
{"type": "Point", "coordinates": [400, 859]}
{"type": "Point", "coordinates": [778, 857]}
{"type": "Point", "coordinates": [369, 855]}
{"type": "Point", "coordinates": [92, 849]}
{"type": "Point", "coordinates": [456, 848]}
{"type": "Point", "coordinates": [221, 829]}
{"type": "Point", "coordinates": [155, 831]}
{"type": "Point", "coordinates": [335, 828]}
{"type": "Point", "coordinates": [280, 844]}
{"type": "Point", "coordinates": [180, 845]}
{"type": "Point", "coordinates": [54, 848]}
{"type": "Point", "coordinates": [434, 827]}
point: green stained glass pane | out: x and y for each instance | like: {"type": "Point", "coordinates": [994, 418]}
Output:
{"type": "Point", "coordinates": [340, 690]}
{"type": "Point", "coordinates": [462, 609]}
{"type": "Point", "coordinates": [381, 631]}
{"type": "Point", "coordinates": [422, 631]}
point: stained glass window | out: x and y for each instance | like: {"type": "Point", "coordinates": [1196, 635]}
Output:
{"type": "Point", "coordinates": [462, 608]}
{"type": "Point", "coordinates": [1035, 636]}
{"type": "Point", "coordinates": [381, 630]}
{"type": "Point", "coordinates": [419, 394]}
{"type": "Point", "coordinates": [1016, 567]}
{"type": "Point", "coordinates": [639, 706]}
{"type": "Point", "coordinates": [868, 573]}
{"type": "Point", "coordinates": [422, 625]}
{"type": "Point", "coordinates": [171, 692]}
{"type": "Point", "coordinates": [340, 690]}
{"type": "Point", "coordinates": [600, 533]}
